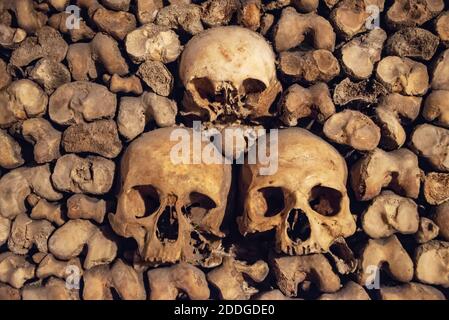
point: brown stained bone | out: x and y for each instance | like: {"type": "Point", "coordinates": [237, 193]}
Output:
{"type": "Point", "coordinates": [115, 23]}
{"type": "Point", "coordinates": [366, 91]}
{"type": "Point", "coordinates": [432, 143]}
{"type": "Point", "coordinates": [293, 27]}
{"type": "Point", "coordinates": [167, 283]}
{"type": "Point", "coordinates": [78, 175]}
{"type": "Point", "coordinates": [5, 77]}
{"type": "Point", "coordinates": [391, 112]}
{"type": "Point", "coordinates": [397, 170]}
{"type": "Point", "coordinates": [58, 21]}
{"type": "Point", "coordinates": [229, 278]}
{"type": "Point", "coordinates": [45, 139]}
{"type": "Point", "coordinates": [117, 5]}
{"type": "Point", "coordinates": [441, 219]}
{"type": "Point", "coordinates": [77, 102]}
{"type": "Point", "coordinates": [26, 232]}
{"type": "Point", "coordinates": [80, 206]}
{"type": "Point", "coordinates": [352, 128]}
{"type": "Point", "coordinates": [5, 228]}
{"type": "Point", "coordinates": [249, 14]}
{"type": "Point", "coordinates": [291, 271]}
{"type": "Point", "coordinates": [442, 28]}
{"type": "Point", "coordinates": [27, 17]}
{"type": "Point", "coordinates": [218, 12]}
{"type": "Point", "coordinates": [308, 66]}
{"type": "Point", "coordinates": [410, 13]}
{"type": "Point", "coordinates": [50, 74]}
{"type": "Point", "coordinates": [130, 84]}
{"type": "Point", "coordinates": [50, 211]}
{"type": "Point", "coordinates": [428, 230]}
{"type": "Point", "coordinates": [17, 185]}
{"type": "Point", "coordinates": [185, 17]}
{"type": "Point", "coordinates": [9, 293]}
{"type": "Point", "coordinates": [435, 188]}
{"type": "Point", "coordinates": [386, 253]}
{"type": "Point", "coordinates": [440, 80]}
{"type": "Point", "coordinates": [49, 266]}
{"type": "Point", "coordinates": [431, 263]}
{"type": "Point", "coordinates": [147, 10]}
{"type": "Point", "coordinates": [298, 102]}
{"type": "Point", "coordinates": [156, 76]}
{"type": "Point", "coordinates": [98, 137]}
{"type": "Point", "coordinates": [388, 214]}
{"type": "Point", "coordinates": [411, 291]}
{"type": "Point", "coordinates": [11, 155]}
{"type": "Point", "coordinates": [415, 43]}
{"type": "Point", "coordinates": [436, 107]}
{"type": "Point", "coordinates": [48, 43]}
{"type": "Point", "coordinates": [11, 38]}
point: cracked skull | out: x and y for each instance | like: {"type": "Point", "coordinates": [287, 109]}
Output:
{"type": "Point", "coordinates": [228, 72]}
{"type": "Point", "coordinates": [173, 210]}
{"type": "Point", "coordinates": [305, 201]}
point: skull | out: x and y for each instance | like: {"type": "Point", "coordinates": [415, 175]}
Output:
{"type": "Point", "coordinates": [305, 201]}
{"type": "Point", "coordinates": [228, 72]}
{"type": "Point", "coordinates": [173, 210]}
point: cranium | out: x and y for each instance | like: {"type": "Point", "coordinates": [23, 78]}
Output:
{"type": "Point", "coordinates": [305, 201]}
{"type": "Point", "coordinates": [228, 72]}
{"type": "Point", "coordinates": [173, 210]}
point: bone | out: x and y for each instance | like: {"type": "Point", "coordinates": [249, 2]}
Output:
{"type": "Point", "coordinates": [47, 210]}
{"type": "Point", "coordinates": [53, 289]}
{"type": "Point", "coordinates": [431, 263]}
{"type": "Point", "coordinates": [229, 278]}
{"type": "Point", "coordinates": [435, 188]}
{"type": "Point", "coordinates": [291, 271]}
{"type": "Point", "coordinates": [408, 13]}
{"type": "Point", "coordinates": [5, 228]}
{"type": "Point", "coordinates": [80, 206]}
{"type": "Point", "coordinates": [147, 10]}
{"type": "Point", "coordinates": [432, 143]}
{"type": "Point", "coordinates": [16, 185]}
{"type": "Point", "coordinates": [49, 266]}
{"type": "Point", "coordinates": [75, 174]}
{"type": "Point", "coordinates": [50, 74]}
{"type": "Point", "coordinates": [350, 291]}
{"type": "Point", "coordinates": [440, 218]}
{"type": "Point", "coordinates": [98, 137]}
{"type": "Point", "coordinates": [352, 128]}
{"type": "Point", "coordinates": [5, 77]}
{"type": "Point", "coordinates": [441, 28]}
{"type": "Point", "coordinates": [44, 137]}
{"type": "Point", "coordinates": [415, 43]}
{"type": "Point", "coordinates": [58, 21]}
{"type": "Point", "coordinates": [376, 170]}
{"type": "Point", "coordinates": [167, 283]}
{"type": "Point", "coordinates": [185, 17]}
{"type": "Point", "coordinates": [130, 84]}
{"type": "Point", "coordinates": [390, 213]}
{"type": "Point", "coordinates": [411, 291]}
{"type": "Point", "coordinates": [427, 230]}
{"type": "Point", "coordinates": [156, 76]}
{"type": "Point", "coordinates": [436, 108]}
{"type": "Point", "coordinates": [9, 293]}
{"type": "Point", "coordinates": [11, 156]}
{"type": "Point", "coordinates": [218, 12]}
{"type": "Point", "coordinates": [298, 102]}
{"type": "Point", "coordinates": [15, 270]}
{"type": "Point", "coordinates": [366, 91]}
{"type": "Point", "coordinates": [378, 252]}
{"type": "Point", "coordinates": [439, 75]}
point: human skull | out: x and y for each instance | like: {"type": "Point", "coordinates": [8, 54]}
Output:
{"type": "Point", "coordinates": [173, 210]}
{"type": "Point", "coordinates": [305, 201]}
{"type": "Point", "coordinates": [228, 72]}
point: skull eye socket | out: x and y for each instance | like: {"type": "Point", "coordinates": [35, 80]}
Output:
{"type": "Point", "coordinates": [206, 90]}
{"type": "Point", "coordinates": [253, 86]}
{"type": "Point", "coordinates": [274, 201]}
{"type": "Point", "coordinates": [325, 200]}
{"type": "Point", "coordinates": [200, 205]}
{"type": "Point", "coordinates": [147, 202]}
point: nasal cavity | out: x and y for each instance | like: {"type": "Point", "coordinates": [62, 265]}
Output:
{"type": "Point", "coordinates": [167, 225]}
{"type": "Point", "coordinates": [298, 226]}
{"type": "Point", "coordinates": [274, 200]}
{"type": "Point", "coordinates": [324, 200]}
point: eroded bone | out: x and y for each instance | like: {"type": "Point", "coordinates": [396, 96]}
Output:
{"type": "Point", "coordinates": [439, 75]}
{"type": "Point", "coordinates": [50, 74]}
{"type": "Point", "coordinates": [49, 266]}
{"type": "Point", "coordinates": [229, 278]}
{"type": "Point", "coordinates": [413, 12]}
{"type": "Point", "coordinates": [350, 291]}
{"type": "Point", "coordinates": [435, 188]}
{"type": "Point", "coordinates": [53, 289]}
{"type": "Point", "coordinates": [411, 291]}
{"type": "Point", "coordinates": [44, 137]}
{"type": "Point", "coordinates": [130, 84]}
{"type": "Point", "coordinates": [427, 230]}
{"type": "Point", "coordinates": [11, 155]}
{"type": "Point", "coordinates": [436, 107]}
{"type": "Point", "coordinates": [186, 17]}
{"type": "Point", "coordinates": [50, 211]}
{"type": "Point", "coordinates": [15, 270]}
{"type": "Point", "coordinates": [9, 293]}
{"type": "Point", "coordinates": [432, 143]}
{"type": "Point", "coordinates": [441, 218]}
{"type": "Point", "coordinates": [366, 91]}
{"type": "Point", "coordinates": [413, 43]}
{"type": "Point", "coordinates": [5, 228]}
{"type": "Point", "coordinates": [81, 206]}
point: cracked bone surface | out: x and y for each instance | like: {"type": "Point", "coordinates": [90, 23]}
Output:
{"type": "Point", "coordinates": [108, 189]}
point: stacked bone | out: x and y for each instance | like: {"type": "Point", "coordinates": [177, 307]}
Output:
{"type": "Point", "coordinates": [92, 206]}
